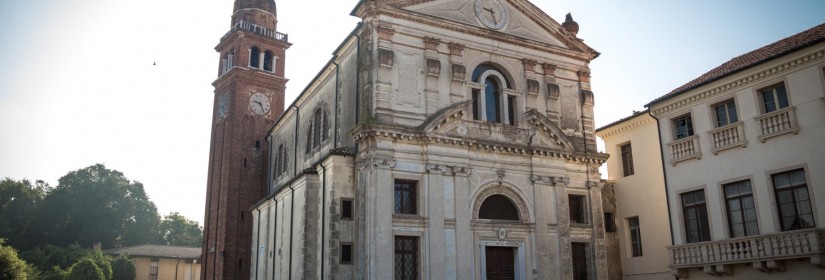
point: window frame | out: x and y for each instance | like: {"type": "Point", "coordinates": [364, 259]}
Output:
{"type": "Point", "coordinates": [689, 127]}
{"type": "Point", "coordinates": [413, 196]}
{"type": "Point", "coordinates": [704, 229]}
{"type": "Point", "coordinates": [776, 197]}
{"type": "Point", "coordinates": [341, 253]}
{"type": "Point", "coordinates": [416, 252]}
{"type": "Point", "coordinates": [627, 159]}
{"type": "Point", "coordinates": [503, 102]}
{"type": "Point", "coordinates": [583, 207]}
{"type": "Point", "coordinates": [760, 94]}
{"type": "Point", "coordinates": [352, 209]}
{"type": "Point", "coordinates": [727, 199]}
{"type": "Point", "coordinates": [637, 228]}
{"type": "Point", "coordinates": [726, 104]}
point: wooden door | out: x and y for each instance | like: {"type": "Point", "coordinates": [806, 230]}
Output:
{"type": "Point", "coordinates": [501, 263]}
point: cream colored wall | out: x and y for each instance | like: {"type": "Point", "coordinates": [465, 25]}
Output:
{"type": "Point", "coordinates": [166, 268]}
{"type": "Point", "coordinates": [804, 82]}
{"type": "Point", "coordinates": [640, 195]}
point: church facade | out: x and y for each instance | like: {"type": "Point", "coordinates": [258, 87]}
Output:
{"type": "Point", "coordinates": [446, 139]}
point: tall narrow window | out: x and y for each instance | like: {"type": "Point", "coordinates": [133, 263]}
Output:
{"type": "Point", "coordinates": [511, 110]}
{"type": "Point", "coordinates": [695, 216]}
{"type": "Point", "coordinates": [580, 266]}
{"type": "Point", "coordinates": [683, 126]}
{"type": "Point", "coordinates": [406, 258]}
{"type": "Point", "coordinates": [627, 159]}
{"type": "Point", "coordinates": [346, 208]}
{"type": "Point", "coordinates": [491, 100]}
{"type": "Point", "coordinates": [476, 106]}
{"type": "Point", "coordinates": [725, 113]}
{"type": "Point", "coordinates": [609, 222]}
{"type": "Point", "coordinates": [405, 197]}
{"type": "Point", "coordinates": [490, 103]}
{"type": "Point", "coordinates": [577, 209]}
{"type": "Point", "coordinates": [635, 236]}
{"type": "Point", "coordinates": [254, 57]}
{"type": "Point", "coordinates": [268, 61]}
{"type": "Point", "coordinates": [741, 209]}
{"type": "Point", "coordinates": [793, 200]}
{"type": "Point", "coordinates": [153, 268]}
{"type": "Point", "coordinates": [774, 98]}
{"type": "Point", "coordinates": [280, 161]}
{"type": "Point", "coordinates": [346, 253]}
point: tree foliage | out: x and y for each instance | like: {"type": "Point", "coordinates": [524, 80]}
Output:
{"type": "Point", "coordinates": [96, 204]}
{"type": "Point", "coordinates": [176, 229]}
{"type": "Point", "coordinates": [18, 202]}
{"type": "Point", "coordinates": [103, 263]}
{"type": "Point", "coordinates": [123, 268]}
{"type": "Point", "coordinates": [85, 269]}
{"type": "Point", "coordinates": [11, 266]}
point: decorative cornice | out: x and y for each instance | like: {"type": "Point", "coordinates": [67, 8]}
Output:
{"type": "Point", "coordinates": [376, 163]}
{"type": "Point", "coordinates": [561, 181]}
{"type": "Point", "coordinates": [431, 43]}
{"type": "Point", "coordinates": [437, 169]}
{"type": "Point", "coordinates": [626, 125]}
{"type": "Point", "coordinates": [736, 83]}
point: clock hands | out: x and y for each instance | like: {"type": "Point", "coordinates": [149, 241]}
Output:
{"type": "Point", "coordinates": [492, 14]}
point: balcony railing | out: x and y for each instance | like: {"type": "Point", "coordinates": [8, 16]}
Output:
{"type": "Point", "coordinates": [685, 149]}
{"type": "Point", "coordinates": [257, 29]}
{"type": "Point", "coordinates": [729, 136]}
{"type": "Point", "coordinates": [715, 255]}
{"type": "Point", "coordinates": [777, 123]}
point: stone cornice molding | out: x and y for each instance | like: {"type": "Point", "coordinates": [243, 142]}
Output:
{"type": "Point", "coordinates": [697, 96]}
{"type": "Point", "coordinates": [561, 181]}
{"type": "Point", "coordinates": [625, 126]}
{"type": "Point", "coordinates": [449, 170]}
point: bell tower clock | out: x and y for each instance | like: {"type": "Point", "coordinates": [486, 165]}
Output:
{"type": "Point", "coordinates": [249, 96]}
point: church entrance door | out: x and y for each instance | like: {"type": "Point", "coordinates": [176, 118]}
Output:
{"type": "Point", "coordinates": [500, 263]}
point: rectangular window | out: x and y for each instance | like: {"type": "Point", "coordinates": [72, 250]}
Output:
{"type": "Point", "coordinates": [609, 222]}
{"type": "Point", "coordinates": [695, 216]}
{"type": "Point", "coordinates": [153, 268]}
{"type": "Point", "coordinates": [476, 106]}
{"type": "Point", "coordinates": [725, 113]}
{"type": "Point", "coordinates": [577, 209]}
{"type": "Point", "coordinates": [774, 98]}
{"type": "Point", "coordinates": [511, 109]}
{"type": "Point", "coordinates": [683, 126]}
{"type": "Point", "coordinates": [405, 197]}
{"type": "Point", "coordinates": [406, 258]}
{"type": "Point", "coordinates": [346, 208]}
{"type": "Point", "coordinates": [627, 160]}
{"type": "Point", "coordinates": [580, 267]}
{"type": "Point", "coordinates": [741, 209]}
{"type": "Point", "coordinates": [635, 236]}
{"type": "Point", "coordinates": [793, 200]}
{"type": "Point", "coordinates": [346, 253]}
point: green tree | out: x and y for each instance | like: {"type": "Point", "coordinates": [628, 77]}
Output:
{"type": "Point", "coordinates": [96, 204]}
{"type": "Point", "coordinates": [11, 266]}
{"type": "Point", "coordinates": [85, 269]}
{"type": "Point", "coordinates": [176, 229]}
{"type": "Point", "coordinates": [18, 202]}
{"type": "Point", "coordinates": [123, 268]}
{"type": "Point", "coordinates": [103, 263]}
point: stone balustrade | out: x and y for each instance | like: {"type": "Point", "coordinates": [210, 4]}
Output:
{"type": "Point", "coordinates": [777, 123]}
{"type": "Point", "coordinates": [764, 252]}
{"type": "Point", "coordinates": [729, 136]}
{"type": "Point", "coordinates": [257, 29]}
{"type": "Point", "coordinates": [684, 149]}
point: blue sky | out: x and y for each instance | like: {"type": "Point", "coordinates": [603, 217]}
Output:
{"type": "Point", "coordinates": [77, 84]}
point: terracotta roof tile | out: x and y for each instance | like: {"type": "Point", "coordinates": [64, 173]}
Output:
{"type": "Point", "coordinates": [753, 58]}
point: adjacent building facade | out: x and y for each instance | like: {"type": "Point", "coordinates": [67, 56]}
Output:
{"type": "Point", "coordinates": [161, 262]}
{"type": "Point", "coordinates": [444, 140]}
{"type": "Point", "coordinates": [743, 159]}
{"type": "Point", "coordinates": [635, 168]}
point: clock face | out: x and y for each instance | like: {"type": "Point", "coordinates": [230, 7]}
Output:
{"type": "Point", "coordinates": [223, 106]}
{"type": "Point", "coordinates": [259, 103]}
{"type": "Point", "coordinates": [492, 13]}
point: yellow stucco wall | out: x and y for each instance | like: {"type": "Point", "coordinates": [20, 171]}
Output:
{"type": "Point", "coordinates": [186, 269]}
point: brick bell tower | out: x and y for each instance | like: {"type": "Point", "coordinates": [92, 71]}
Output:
{"type": "Point", "coordinates": [249, 96]}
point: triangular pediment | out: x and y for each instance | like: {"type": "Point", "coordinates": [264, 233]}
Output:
{"type": "Point", "coordinates": [523, 19]}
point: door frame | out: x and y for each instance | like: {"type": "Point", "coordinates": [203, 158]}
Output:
{"type": "Point", "coordinates": [519, 256]}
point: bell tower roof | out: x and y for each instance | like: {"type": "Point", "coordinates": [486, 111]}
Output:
{"type": "Point", "coordinates": [266, 5]}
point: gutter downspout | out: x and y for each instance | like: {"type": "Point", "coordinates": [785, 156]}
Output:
{"type": "Point", "coordinates": [176, 269]}
{"type": "Point", "coordinates": [664, 176]}
{"type": "Point", "coordinates": [323, 215]}
{"type": "Point", "coordinates": [292, 190]}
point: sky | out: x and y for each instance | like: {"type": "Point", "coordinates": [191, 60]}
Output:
{"type": "Point", "coordinates": [128, 83]}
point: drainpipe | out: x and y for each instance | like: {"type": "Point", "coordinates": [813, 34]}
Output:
{"type": "Point", "coordinates": [292, 190]}
{"type": "Point", "coordinates": [337, 92]}
{"type": "Point", "coordinates": [176, 269]}
{"type": "Point", "coordinates": [323, 214]}
{"type": "Point", "coordinates": [664, 176]}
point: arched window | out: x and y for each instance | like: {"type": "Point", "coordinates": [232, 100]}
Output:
{"type": "Point", "coordinates": [268, 59]}
{"type": "Point", "coordinates": [254, 57]}
{"type": "Point", "coordinates": [498, 207]}
{"type": "Point", "coordinates": [318, 130]}
{"type": "Point", "coordinates": [491, 103]}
